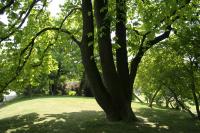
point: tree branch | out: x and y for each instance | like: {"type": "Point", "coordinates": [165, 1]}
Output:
{"type": "Point", "coordinates": [38, 34]}
{"type": "Point", "coordinates": [168, 17]}
{"type": "Point", "coordinates": [142, 49]}
{"type": "Point", "coordinates": [59, 30]}
{"type": "Point", "coordinates": [22, 22]}
{"type": "Point", "coordinates": [43, 6]}
{"type": "Point", "coordinates": [137, 32]}
{"type": "Point", "coordinates": [2, 10]}
{"type": "Point", "coordinates": [134, 65]}
{"type": "Point", "coordinates": [23, 61]}
{"type": "Point", "coordinates": [158, 38]}
{"type": "Point", "coordinates": [179, 101]}
{"type": "Point", "coordinates": [65, 18]}
{"type": "Point", "coordinates": [69, 13]}
{"type": "Point", "coordinates": [43, 55]}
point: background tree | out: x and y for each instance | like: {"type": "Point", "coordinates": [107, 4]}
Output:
{"type": "Point", "coordinates": [187, 46]}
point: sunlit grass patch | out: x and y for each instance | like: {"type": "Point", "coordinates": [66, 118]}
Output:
{"type": "Point", "coordinates": [83, 115]}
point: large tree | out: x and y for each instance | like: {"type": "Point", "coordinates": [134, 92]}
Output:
{"type": "Point", "coordinates": [138, 25]}
{"type": "Point", "coordinates": [114, 92]}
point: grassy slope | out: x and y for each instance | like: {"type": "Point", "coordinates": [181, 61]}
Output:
{"type": "Point", "coordinates": [83, 115]}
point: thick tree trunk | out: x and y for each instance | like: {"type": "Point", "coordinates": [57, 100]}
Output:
{"type": "Point", "coordinates": [98, 89]}
{"type": "Point", "coordinates": [121, 55]}
{"type": "Point", "coordinates": [121, 52]}
{"type": "Point", "coordinates": [116, 85]}
{"type": "Point", "coordinates": [85, 87]}
{"type": "Point", "coordinates": [111, 94]}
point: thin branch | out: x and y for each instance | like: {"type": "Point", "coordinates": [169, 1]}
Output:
{"type": "Point", "coordinates": [22, 22]}
{"type": "Point", "coordinates": [44, 30]}
{"type": "Point", "coordinates": [23, 61]}
{"type": "Point", "coordinates": [137, 32]}
{"type": "Point", "coordinates": [59, 30]}
{"type": "Point", "coordinates": [168, 17]}
{"type": "Point", "coordinates": [70, 12]}
{"type": "Point", "coordinates": [43, 6]}
{"type": "Point", "coordinates": [15, 23]}
{"type": "Point", "coordinates": [2, 10]}
{"type": "Point", "coordinates": [158, 38]}
{"type": "Point", "coordinates": [142, 49]}
{"type": "Point", "coordinates": [137, 98]}
{"type": "Point", "coordinates": [43, 55]}
{"type": "Point", "coordinates": [65, 18]}
{"type": "Point", "coordinates": [70, 34]}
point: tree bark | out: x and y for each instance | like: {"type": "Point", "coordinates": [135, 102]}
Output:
{"type": "Point", "coordinates": [121, 103]}
{"type": "Point", "coordinates": [153, 97]}
{"type": "Point", "coordinates": [121, 53]}
{"type": "Point", "coordinates": [99, 91]}
{"type": "Point", "coordinates": [109, 94]}
{"type": "Point", "coordinates": [193, 88]}
{"type": "Point", "coordinates": [198, 95]}
{"type": "Point", "coordinates": [85, 87]}
{"type": "Point", "coordinates": [167, 101]}
{"type": "Point", "coordinates": [134, 65]}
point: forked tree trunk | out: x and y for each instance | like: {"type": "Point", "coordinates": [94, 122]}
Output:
{"type": "Point", "coordinates": [153, 97]}
{"type": "Point", "coordinates": [114, 94]}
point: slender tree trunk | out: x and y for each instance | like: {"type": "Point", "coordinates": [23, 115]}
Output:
{"type": "Point", "coordinates": [198, 95]}
{"type": "Point", "coordinates": [137, 98]}
{"type": "Point", "coordinates": [193, 88]}
{"type": "Point", "coordinates": [167, 101]}
{"type": "Point", "coordinates": [171, 105]}
{"type": "Point", "coordinates": [134, 65]}
{"type": "Point", "coordinates": [153, 97]}
{"type": "Point", "coordinates": [180, 102]}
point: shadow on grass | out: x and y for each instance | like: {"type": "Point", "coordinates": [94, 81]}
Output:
{"type": "Point", "coordinates": [173, 120]}
{"type": "Point", "coordinates": [95, 122]}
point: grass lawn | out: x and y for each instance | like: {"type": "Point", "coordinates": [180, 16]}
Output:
{"type": "Point", "coordinates": [83, 115]}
